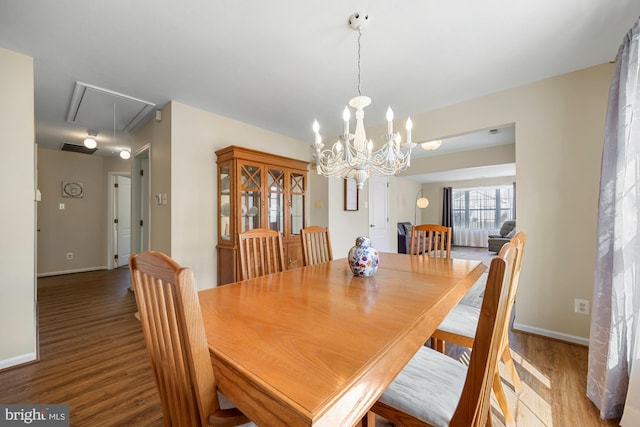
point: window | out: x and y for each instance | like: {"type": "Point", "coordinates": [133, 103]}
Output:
{"type": "Point", "coordinates": [482, 207]}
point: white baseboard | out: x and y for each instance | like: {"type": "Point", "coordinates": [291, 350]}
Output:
{"type": "Point", "coordinates": [551, 334]}
{"type": "Point", "coordinates": [18, 360]}
{"type": "Point", "coordinates": [78, 270]}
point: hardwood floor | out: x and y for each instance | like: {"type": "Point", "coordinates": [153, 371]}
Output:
{"type": "Point", "coordinates": [92, 357]}
{"type": "Point", "coordinates": [92, 353]}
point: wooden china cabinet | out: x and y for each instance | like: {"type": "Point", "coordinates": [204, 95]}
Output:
{"type": "Point", "coordinates": [258, 190]}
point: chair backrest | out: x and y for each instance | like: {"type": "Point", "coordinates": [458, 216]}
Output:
{"type": "Point", "coordinates": [431, 239]}
{"type": "Point", "coordinates": [518, 241]}
{"type": "Point", "coordinates": [316, 245]}
{"type": "Point", "coordinates": [475, 402]}
{"type": "Point", "coordinates": [169, 311]}
{"type": "Point", "coordinates": [506, 227]}
{"type": "Point", "coordinates": [260, 253]}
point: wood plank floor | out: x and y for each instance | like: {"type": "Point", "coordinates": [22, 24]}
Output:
{"type": "Point", "coordinates": [92, 357]}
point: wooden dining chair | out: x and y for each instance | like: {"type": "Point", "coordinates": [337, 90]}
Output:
{"type": "Point", "coordinates": [459, 327]}
{"type": "Point", "coordinates": [169, 311]}
{"type": "Point", "coordinates": [316, 245]}
{"type": "Point", "coordinates": [436, 390]}
{"type": "Point", "coordinates": [260, 253]}
{"type": "Point", "coordinates": [431, 239]}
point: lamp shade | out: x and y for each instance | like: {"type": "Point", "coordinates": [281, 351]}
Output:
{"type": "Point", "coordinates": [422, 202]}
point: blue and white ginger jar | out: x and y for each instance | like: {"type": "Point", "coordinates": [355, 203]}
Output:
{"type": "Point", "coordinates": [363, 259]}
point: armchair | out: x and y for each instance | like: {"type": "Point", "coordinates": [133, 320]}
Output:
{"type": "Point", "coordinates": [507, 231]}
{"type": "Point", "coordinates": [404, 237]}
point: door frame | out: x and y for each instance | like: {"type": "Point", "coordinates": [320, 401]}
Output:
{"type": "Point", "coordinates": [136, 199]}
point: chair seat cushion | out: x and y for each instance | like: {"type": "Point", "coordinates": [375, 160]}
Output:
{"type": "Point", "coordinates": [461, 320]}
{"type": "Point", "coordinates": [428, 388]}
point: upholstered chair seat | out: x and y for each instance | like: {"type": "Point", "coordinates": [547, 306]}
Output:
{"type": "Point", "coordinates": [428, 388]}
{"type": "Point", "coordinates": [462, 320]}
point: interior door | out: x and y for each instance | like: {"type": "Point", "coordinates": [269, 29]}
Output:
{"type": "Point", "coordinates": [123, 217]}
{"type": "Point", "coordinates": [379, 213]}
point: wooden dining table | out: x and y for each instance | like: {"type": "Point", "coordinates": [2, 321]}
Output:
{"type": "Point", "coordinates": [317, 346]}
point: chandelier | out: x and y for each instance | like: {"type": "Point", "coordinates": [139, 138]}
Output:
{"type": "Point", "coordinates": [352, 156]}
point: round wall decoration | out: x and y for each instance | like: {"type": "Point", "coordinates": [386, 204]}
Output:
{"type": "Point", "coordinates": [72, 189]}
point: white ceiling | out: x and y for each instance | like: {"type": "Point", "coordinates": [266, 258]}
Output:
{"type": "Point", "coordinates": [279, 64]}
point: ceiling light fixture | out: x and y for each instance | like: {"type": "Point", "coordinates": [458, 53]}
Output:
{"type": "Point", "coordinates": [90, 141]}
{"type": "Point", "coordinates": [125, 154]}
{"type": "Point", "coordinates": [352, 156]}
{"type": "Point", "coordinates": [431, 145]}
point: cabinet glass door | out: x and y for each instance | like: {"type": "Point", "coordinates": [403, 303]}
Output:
{"type": "Point", "coordinates": [250, 196]}
{"type": "Point", "coordinates": [296, 204]}
{"type": "Point", "coordinates": [225, 202]}
{"type": "Point", "coordinates": [275, 179]}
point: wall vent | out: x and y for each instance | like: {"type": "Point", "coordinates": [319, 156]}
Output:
{"type": "Point", "coordinates": [77, 148]}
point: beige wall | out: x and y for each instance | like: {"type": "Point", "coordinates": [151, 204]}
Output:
{"type": "Point", "coordinates": [318, 190]}
{"type": "Point", "coordinates": [195, 136]}
{"type": "Point", "coordinates": [155, 136]}
{"type": "Point", "coordinates": [81, 227]}
{"type": "Point", "coordinates": [403, 201]}
{"type": "Point", "coordinates": [559, 136]}
{"type": "Point", "coordinates": [17, 228]}
{"type": "Point", "coordinates": [345, 226]}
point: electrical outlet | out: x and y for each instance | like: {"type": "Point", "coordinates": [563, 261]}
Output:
{"type": "Point", "coordinates": [581, 306]}
{"type": "Point", "coordinates": [69, 255]}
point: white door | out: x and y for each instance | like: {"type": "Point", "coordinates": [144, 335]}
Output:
{"type": "Point", "coordinates": [122, 220]}
{"type": "Point", "coordinates": [379, 213]}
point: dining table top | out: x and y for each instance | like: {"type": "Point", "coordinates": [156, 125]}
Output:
{"type": "Point", "coordinates": [316, 346]}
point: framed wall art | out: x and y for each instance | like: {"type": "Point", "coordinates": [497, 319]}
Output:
{"type": "Point", "coordinates": [72, 189]}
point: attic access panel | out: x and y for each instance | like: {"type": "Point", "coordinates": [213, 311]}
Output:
{"type": "Point", "coordinates": [93, 107]}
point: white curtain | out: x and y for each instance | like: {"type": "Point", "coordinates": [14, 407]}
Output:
{"type": "Point", "coordinates": [616, 296]}
{"type": "Point", "coordinates": [476, 237]}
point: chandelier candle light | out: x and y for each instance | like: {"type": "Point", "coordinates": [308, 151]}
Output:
{"type": "Point", "coordinates": [352, 156]}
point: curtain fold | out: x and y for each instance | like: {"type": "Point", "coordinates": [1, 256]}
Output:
{"type": "Point", "coordinates": [447, 209]}
{"type": "Point", "coordinates": [616, 295]}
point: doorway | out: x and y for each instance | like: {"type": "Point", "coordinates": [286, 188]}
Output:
{"type": "Point", "coordinates": [119, 247]}
{"type": "Point", "coordinates": [379, 213]}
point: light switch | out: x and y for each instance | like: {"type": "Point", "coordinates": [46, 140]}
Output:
{"type": "Point", "coordinates": [61, 206]}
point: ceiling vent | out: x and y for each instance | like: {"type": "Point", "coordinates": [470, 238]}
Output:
{"type": "Point", "coordinates": [98, 108]}
{"type": "Point", "coordinates": [77, 148]}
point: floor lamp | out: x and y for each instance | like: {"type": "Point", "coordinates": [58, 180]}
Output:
{"type": "Point", "coordinates": [421, 202]}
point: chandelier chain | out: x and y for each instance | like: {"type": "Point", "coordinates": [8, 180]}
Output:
{"type": "Point", "coordinates": [359, 72]}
